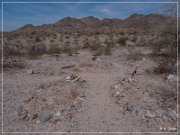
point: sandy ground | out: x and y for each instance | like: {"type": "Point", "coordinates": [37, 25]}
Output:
{"type": "Point", "coordinates": [93, 107]}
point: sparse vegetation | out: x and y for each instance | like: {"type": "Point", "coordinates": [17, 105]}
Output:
{"type": "Point", "coordinates": [134, 54]}
{"type": "Point", "coordinates": [35, 49]}
{"type": "Point", "coordinates": [122, 41]}
{"type": "Point", "coordinates": [54, 49]}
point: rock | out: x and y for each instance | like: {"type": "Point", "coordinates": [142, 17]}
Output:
{"type": "Point", "coordinates": [30, 72]}
{"type": "Point", "coordinates": [130, 106]}
{"type": "Point", "coordinates": [67, 66]}
{"type": "Point", "coordinates": [81, 80]}
{"type": "Point", "coordinates": [81, 94]}
{"type": "Point", "coordinates": [94, 57]}
{"type": "Point", "coordinates": [56, 119]}
{"type": "Point", "coordinates": [118, 96]}
{"type": "Point", "coordinates": [33, 94]}
{"type": "Point", "coordinates": [22, 112]}
{"type": "Point", "coordinates": [37, 121]}
{"type": "Point", "coordinates": [68, 78]}
{"type": "Point", "coordinates": [34, 116]}
{"type": "Point", "coordinates": [19, 109]}
{"type": "Point", "coordinates": [172, 78]}
{"type": "Point", "coordinates": [150, 114]}
{"type": "Point", "coordinates": [118, 102]}
{"type": "Point", "coordinates": [57, 114]}
{"type": "Point", "coordinates": [31, 117]}
{"type": "Point", "coordinates": [171, 114]}
{"type": "Point", "coordinates": [45, 116]}
{"type": "Point", "coordinates": [117, 86]}
{"type": "Point", "coordinates": [72, 77]}
{"type": "Point", "coordinates": [125, 79]}
{"type": "Point", "coordinates": [140, 112]}
{"type": "Point", "coordinates": [80, 99]}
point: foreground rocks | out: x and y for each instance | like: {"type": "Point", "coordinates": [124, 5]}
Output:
{"type": "Point", "coordinates": [53, 102]}
{"type": "Point", "coordinates": [124, 94]}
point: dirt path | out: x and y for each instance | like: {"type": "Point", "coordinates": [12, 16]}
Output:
{"type": "Point", "coordinates": [99, 113]}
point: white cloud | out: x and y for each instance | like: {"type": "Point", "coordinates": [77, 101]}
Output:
{"type": "Point", "coordinates": [107, 10]}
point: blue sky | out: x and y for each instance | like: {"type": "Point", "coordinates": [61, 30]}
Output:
{"type": "Point", "coordinates": [16, 15]}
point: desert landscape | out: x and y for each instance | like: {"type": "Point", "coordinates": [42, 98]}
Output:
{"type": "Point", "coordinates": [92, 75]}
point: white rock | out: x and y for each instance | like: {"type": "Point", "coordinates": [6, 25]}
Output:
{"type": "Point", "coordinates": [172, 78]}
{"type": "Point", "coordinates": [150, 114]}
{"type": "Point", "coordinates": [117, 86]}
{"type": "Point", "coordinates": [57, 114]}
{"type": "Point", "coordinates": [30, 72]}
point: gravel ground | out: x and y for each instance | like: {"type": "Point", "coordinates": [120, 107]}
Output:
{"type": "Point", "coordinates": [93, 96]}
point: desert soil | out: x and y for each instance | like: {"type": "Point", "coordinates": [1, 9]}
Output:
{"type": "Point", "coordinates": [104, 102]}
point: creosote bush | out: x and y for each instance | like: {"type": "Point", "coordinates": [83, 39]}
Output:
{"type": "Point", "coordinates": [54, 49]}
{"type": "Point", "coordinates": [122, 41]}
{"type": "Point", "coordinates": [36, 49]}
{"type": "Point", "coordinates": [13, 57]}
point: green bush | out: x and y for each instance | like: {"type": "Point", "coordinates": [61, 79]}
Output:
{"type": "Point", "coordinates": [54, 49]}
{"type": "Point", "coordinates": [122, 41]}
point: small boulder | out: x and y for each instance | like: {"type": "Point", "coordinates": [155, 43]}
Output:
{"type": "Point", "coordinates": [172, 78]}
{"type": "Point", "coordinates": [30, 72]}
{"type": "Point", "coordinates": [22, 112]}
{"type": "Point", "coordinates": [130, 106]}
{"type": "Point", "coordinates": [45, 116]}
{"type": "Point", "coordinates": [150, 114]}
{"type": "Point", "coordinates": [171, 114]}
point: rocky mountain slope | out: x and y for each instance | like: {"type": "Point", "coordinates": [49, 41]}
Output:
{"type": "Point", "coordinates": [138, 21]}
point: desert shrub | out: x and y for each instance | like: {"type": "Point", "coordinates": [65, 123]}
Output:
{"type": "Point", "coordinates": [96, 48]}
{"type": "Point", "coordinates": [122, 41]}
{"type": "Point", "coordinates": [107, 50]}
{"type": "Point", "coordinates": [134, 54]}
{"type": "Point", "coordinates": [37, 39]}
{"type": "Point", "coordinates": [86, 43]}
{"type": "Point", "coordinates": [14, 62]}
{"type": "Point", "coordinates": [61, 38]}
{"type": "Point", "coordinates": [13, 57]}
{"type": "Point", "coordinates": [36, 49]}
{"type": "Point", "coordinates": [134, 39]}
{"type": "Point", "coordinates": [67, 50]}
{"type": "Point", "coordinates": [54, 49]}
{"type": "Point", "coordinates": [52, 40]}
{"type": "Point", "coordinates": [167, 40]}
{"type": "Point", "coordinates": [122, 33]}
{"type": "Point", "coordinates": [165, 66]}
{"type": "Point", "coordinates": [11, 51]}
{"type": "Point", "coordinates": [109, 42]}
{"type": "Point", "coordinates": [94, 45]}
{"type": "Point", "coordinates": [67, 43]}
{"type": "Point", "coordinates": [97, 32]}
{"type": "Point", "coordinates": [67, 37]}
{"type": "Point", "coordinates": [98, 51]}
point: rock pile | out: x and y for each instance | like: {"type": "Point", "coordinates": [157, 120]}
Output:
{"type": "Point", "coordinates": [74, 78]}
{"type": "Point", "coordinates": [124, 94]}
